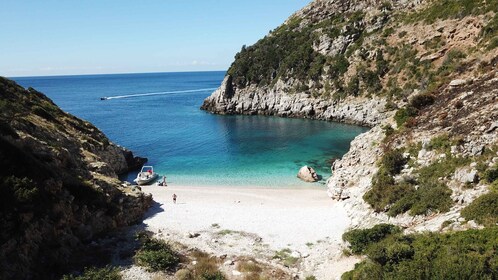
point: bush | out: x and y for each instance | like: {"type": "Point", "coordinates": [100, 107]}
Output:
{"type": "Point", "coordinates": [446, 9]}
{"type": "Point", "coordinates": [403, 114]}
{"type": "Point", "coordinates": [422, 100]}
{"type": "Point", "coordinates": [440, 143]}
{"type": "Point", "coordinates": [156, 255]}
{"type": "Point", "coordinates": [461, 255]}
{"type": "Point", "coordinates": [285, 256]}
{"type": "Point", "coordinates": [398, 198]}
{"type": "Point", "coordinates": [360, 239]}
{"type": "Point", "coordinates": [106, 273]}
{"type": "Point", "coordinates": [384, 193]}
{"type": "Point", "coordinates": [206, 267]}
{"type": "Point", "coordinates": [431, 198]}
{"type": "Point", "coordinates": [491, 174]}
{"type": "Point", "coordinates": [393, 161]}
{"type": "Point", "coordinates": [484, 210]}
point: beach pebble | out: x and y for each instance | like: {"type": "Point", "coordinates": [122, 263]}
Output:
{"type": "Point", "coordinates": [295, 254]}
{"type": "Point", "coordinates": [193, 234]}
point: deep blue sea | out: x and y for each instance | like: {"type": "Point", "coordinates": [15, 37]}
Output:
{"type": "Point", "coordinates": [162, 121]}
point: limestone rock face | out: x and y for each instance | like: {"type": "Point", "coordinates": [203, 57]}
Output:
{"type": "Point", "coordinates": [307, 174]}
{"type": "Point", "coordinates": [466, 175]}
{"type": "Point", "coordinates": [227, 100]}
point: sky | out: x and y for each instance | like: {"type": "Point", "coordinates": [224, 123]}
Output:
{"type": "Point", "coordinates": [57, 37]}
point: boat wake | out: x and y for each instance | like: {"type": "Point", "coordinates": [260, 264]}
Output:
{"type": "Point", "coordinates": [155, 93]}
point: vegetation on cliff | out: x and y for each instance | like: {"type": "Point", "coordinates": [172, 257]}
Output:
{"type": "Point", "coordinates": [460, 255]}
{"type": "Point", "coordinates": [332, 50]}
{"type": "Point", "coordinates": [58, 185]}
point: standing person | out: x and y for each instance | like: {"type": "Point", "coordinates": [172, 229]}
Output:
{"type": "Point", "coordinates": [174, 198]}
{"type": "Point", "coordinates": [164, 182]}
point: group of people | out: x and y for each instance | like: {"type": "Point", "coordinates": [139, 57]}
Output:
{"type": "Point", "coordinates": [164, 184]}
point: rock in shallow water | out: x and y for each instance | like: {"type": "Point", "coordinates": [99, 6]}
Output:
{"type": "Point", "coordinates": [307, 174]}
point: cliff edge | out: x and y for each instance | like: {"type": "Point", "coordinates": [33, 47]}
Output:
{"type": "Point", "coordinates": [58, 184]}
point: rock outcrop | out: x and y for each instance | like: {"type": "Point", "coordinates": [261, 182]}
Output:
{"type": "Point", "coordinates": [307, 174]}
{"type": "Point", "coordinates": [255, 101]}
{"type": "Point", "coordinates": [58, 185]}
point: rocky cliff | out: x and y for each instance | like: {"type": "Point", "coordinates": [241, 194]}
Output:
{"type": "Point", "coordinates": [58, 184]}
{"type": "Point", "coordinates": [422, 74]}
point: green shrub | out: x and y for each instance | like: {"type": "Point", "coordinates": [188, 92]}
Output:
{"type": "Point", "coordinates": [440, 143]}
{"type": "Point", "coordinates": [403, 114]}
{"type": "Point", "coordinates": [338, 66]}
{"type": "Point", "coordinates": [360, 239]}
{"type": "Point", "coordinates": [393, 161]}
{"type": "Point", "coordinates": [16, 190]}
{"type": "Point", "coordinates": [446, 9]}
{"type": "Point", "coordinates": [218, 275]}
{"type": "Point", "coordinates": [484, 210]}
{"type": "Point", "coordinates": [398, 198]}
{"type": "Point", "coordinates": [366, 270]}
{"type": "Point", "coordinates": [106, 273]}
{"type": "Point", "coordinates": [385, 193]}
{"type": "Point", "coordinates": [206, 267]}
{"type": "Point", "coordinates": [422, 100]}
{"type": "Point", "coordinates": [156, 255]}
{"type": "Point", "coordinates": [430, 197]}
{"type": "Point", "coordinates": [467, 254]}
{"type": "Point", "coordinates": [491, 174]}
{"type": "Point", "coordinates": [285, 256]}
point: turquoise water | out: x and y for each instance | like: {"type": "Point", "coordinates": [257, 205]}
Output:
{"type": "Point", "coordinates": [162, 121]}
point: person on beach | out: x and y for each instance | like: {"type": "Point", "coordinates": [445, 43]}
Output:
{"type": "Point", "coordinates": [164, 182]}
{"type": "Point", "coordinates": [174, 198]}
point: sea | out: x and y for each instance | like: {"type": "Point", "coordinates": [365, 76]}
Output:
{"type": "Point", "coordinates": [157, 115]}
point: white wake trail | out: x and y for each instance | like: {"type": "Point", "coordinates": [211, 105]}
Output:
{"type": "Point", "coordinates": [156, 93]}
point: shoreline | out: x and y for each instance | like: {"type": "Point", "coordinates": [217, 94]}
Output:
{"type": "Point", "coordinates": [255, 222]}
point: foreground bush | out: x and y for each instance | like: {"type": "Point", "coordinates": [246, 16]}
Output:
{"type": "Point", "coordinates": [205, 268]}
{"type": "Point", "coordinates": [156, 255]}
{"type": "Point", "coordinates": [483, 210]}
{"type": "Point", "coordinates": [361, 239]}
{"type": "Point", "coordinates": [461, 255]}
{"type": "Point", "coordinates": [106, 273]}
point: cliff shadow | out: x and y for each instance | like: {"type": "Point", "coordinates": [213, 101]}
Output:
{"type": "Point", "coordinates": [154, 209]}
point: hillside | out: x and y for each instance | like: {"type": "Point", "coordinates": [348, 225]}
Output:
{"type": "Point", "coordinates": [58, 185]}
{"type": "Point", "coordinates": [424, 76]}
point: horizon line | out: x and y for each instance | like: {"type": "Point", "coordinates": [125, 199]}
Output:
{"type": "Point", "coordinates": [103, 74]}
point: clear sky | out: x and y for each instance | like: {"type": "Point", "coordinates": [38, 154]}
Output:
{"type": "Point", "coordinates": [57, 37]}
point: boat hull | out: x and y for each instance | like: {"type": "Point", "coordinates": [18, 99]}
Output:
{"type": "Point", "coordinates": [145, 181]}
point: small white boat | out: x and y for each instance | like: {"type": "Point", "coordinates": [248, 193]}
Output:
{"type": "Point", "coordinates": [145, 176]}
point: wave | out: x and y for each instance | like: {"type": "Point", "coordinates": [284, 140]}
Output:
{"type": "Point", "coordinates": [155, 93]}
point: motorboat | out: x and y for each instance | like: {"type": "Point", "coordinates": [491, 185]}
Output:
{"type": "Point", "coordinates": [103, 98]}
{"type": "Point", "coordinates": [145, 176]}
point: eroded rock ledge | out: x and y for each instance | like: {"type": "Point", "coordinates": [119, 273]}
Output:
{"type": "Point", "coordinates": [228, 100]}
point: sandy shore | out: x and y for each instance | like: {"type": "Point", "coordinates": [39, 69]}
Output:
{"type": "Point", "coordinates": [255, 222]}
